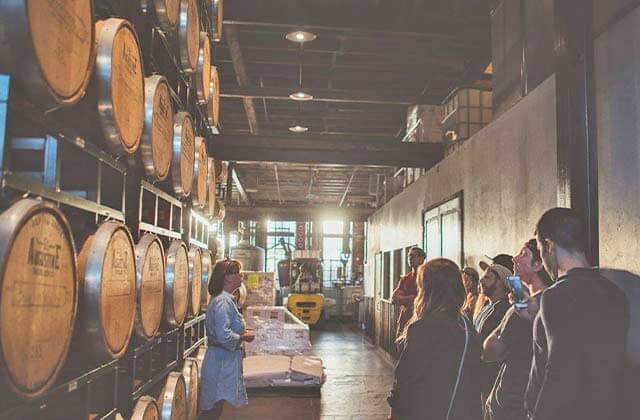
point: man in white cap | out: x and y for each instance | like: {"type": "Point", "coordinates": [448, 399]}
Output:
{"type": "Point", "coordinates": [494, 285]}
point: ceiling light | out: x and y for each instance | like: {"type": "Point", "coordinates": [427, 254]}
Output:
{"type": "Point", "coordinates": [301, 96]}
{"type": "Point", "coordinates": [300, 36]}
{"type": "Point", "coordinates": [298, 129]}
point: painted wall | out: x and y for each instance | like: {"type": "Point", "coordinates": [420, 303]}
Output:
{"type": "Point", "coordinates": [508, 175]}
{"type": "Point", "coordinates": [617, 86]}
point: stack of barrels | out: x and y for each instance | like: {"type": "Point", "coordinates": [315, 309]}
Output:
{"type": "Point", "coordinates": [111, 290]}
{"type": "Point", "coordinates": [108, 290]}
{"type": "Point", "coordinates": [63, 53]}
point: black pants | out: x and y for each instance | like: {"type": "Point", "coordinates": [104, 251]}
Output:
{"type": "Point", "coordinates": [213, 414]}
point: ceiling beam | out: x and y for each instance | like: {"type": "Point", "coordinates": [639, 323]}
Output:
{"type": "Point", "coordinates": [330, 95]}
{"type": "Point", "coordinates": [353, 32]}
{"type": "Point", "coordinates": [300, 213]}
{"type": "Point", "coordinates": [244, 196]}
{"type": "Point", "coordinates": [231, 34]}
{"type": "Point", "coordinates": [346, 191]}
{"type": "Point", "coordinates": [320, 150]}
{"type": "Point", "coordinates": [275, 170]}
{"type": "Point", "coordinates": [344, 135]}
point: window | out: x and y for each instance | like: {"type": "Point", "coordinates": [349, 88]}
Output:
{"type": "Point", "coordinates": [233, 239]}
{"type": "Point", "coordinates": [442, 228]}
{"type": "Point", "coordinates": [366, 241]}
{"type": "Point", "coordinates": [275, 232]}
{"type": "Point", "coordinates": [334, 241]}
{"type": "Point", "coordinates": [252, 232]}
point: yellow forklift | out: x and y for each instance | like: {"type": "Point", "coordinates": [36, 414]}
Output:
{"type": "Point", "coordinates": [305, 299]}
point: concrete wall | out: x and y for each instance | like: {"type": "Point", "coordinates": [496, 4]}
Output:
{"type": "Point", "coordinates": [507, 173]}
{"type": "Point", "coordinates": [617, 79]}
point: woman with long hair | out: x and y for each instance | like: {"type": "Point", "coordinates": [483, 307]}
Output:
{"type": "Point", "coordinates": [438, 375]}
{"type": "Point", "coordinates": [470, 280]}
{"type": "Point", "coordinates": [222, 367]}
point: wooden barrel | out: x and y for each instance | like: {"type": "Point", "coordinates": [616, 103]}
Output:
{"type": "Point", "coordinates": [202, 351]}
{"type": "Point", "coordinates": [191, 375]}
{"type": "Point", "coordinates": [150, 271]}
{"type": "Point", "coordinates": [39, 295]}
{"type": "Point", "coordinates": [207, 269]}
{"type": "Point", "coordinates": [156, 142]}
{"type": "Point", "coordinates": [195, 279]}
{"type": "Point", "coordinates": [146, 409]}
{"type": "Point", "coordinates": [166, 11]}
{"type": "Point", "coordinates": [120, 80]}
{"type": "Point", "coordinates": [217, 13]}
{"type": "Point", "coordinates": [48, 47]}
{"type": "Point", "coordinates": [107, 305]}
{"type": "Point", "coordinates": [189, 35]}
{"type": "Point", "coordinates": [173, 398]}
{"type": "Point", "coordinates": [213, 106]}
{"type": "Point", "coordinates": [182, 164]}
{"type": "Point", "coordinates": [201, 169]}
{"type": "Point", "coordinates": [203, 69]}
{"type": "Point", "coordinates": [211, 184]}
{"type": "Point", "coordinates": [176, 290]}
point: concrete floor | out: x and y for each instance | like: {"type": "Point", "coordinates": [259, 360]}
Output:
{"type": "Point", "coordinates": [358, 381]}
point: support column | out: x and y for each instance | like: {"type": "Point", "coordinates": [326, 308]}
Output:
{"type": "Point", "coordinates": [577, 149]}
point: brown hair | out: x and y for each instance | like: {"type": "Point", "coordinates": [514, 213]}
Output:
{"type": "Point", "coordinates": [440, 289]}
{"type": "Point", "coordinates": [564, 227]}
{"type": "Point", "coordinates": [221, 269]}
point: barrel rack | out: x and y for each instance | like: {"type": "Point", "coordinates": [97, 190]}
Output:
{"type": "Point", "coordinates": [37, 166]}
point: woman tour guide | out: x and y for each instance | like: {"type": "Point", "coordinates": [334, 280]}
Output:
{"type": "Point", "coordinates": [222, 367]}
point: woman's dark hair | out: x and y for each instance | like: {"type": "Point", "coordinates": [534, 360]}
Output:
{"type": "Point", "coordinates": [440, 289]}
{"type": "Point", "coordinates": [532, 244]}
{"type": "Point", "coordinates": [221, 269]}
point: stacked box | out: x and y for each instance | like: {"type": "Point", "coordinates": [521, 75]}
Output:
{"type": "Point", "coordinates": [261, 288]}
{"type": "Point", "coordinates": [277, 331]}
{"type": "Point", "coordinates": [283, 371]}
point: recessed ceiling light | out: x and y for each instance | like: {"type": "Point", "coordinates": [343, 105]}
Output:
{"type": "Point", "coordinates": [301, 36]}
{"type": "Point", "coordinates": [301, 96]}
{"type": "Point", "coordinates": [298, 129]}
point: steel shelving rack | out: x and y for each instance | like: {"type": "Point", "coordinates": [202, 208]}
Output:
{"type": "Point", "coordinates": [116, 190]}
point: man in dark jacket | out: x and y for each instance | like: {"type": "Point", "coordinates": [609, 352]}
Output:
{"type": "Point", "coordinates": [494, 285]}
{"type": "Point", "coordinates": [579, 331]}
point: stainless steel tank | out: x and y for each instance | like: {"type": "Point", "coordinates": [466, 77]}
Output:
{"type": "Point", "coordinates": [251, 257]}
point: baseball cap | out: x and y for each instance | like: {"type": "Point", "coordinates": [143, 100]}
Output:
{"type": "Point", "coordinates": [504, 260]}
{"type": "Point", "coordinates": [502, 272]}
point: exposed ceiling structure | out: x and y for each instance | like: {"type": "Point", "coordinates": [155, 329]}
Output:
{"type": "Point", "coordinates": [370, 60]}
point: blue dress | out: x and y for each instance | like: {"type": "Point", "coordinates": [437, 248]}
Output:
{"type": "Point", "coordinates": [222, 367]}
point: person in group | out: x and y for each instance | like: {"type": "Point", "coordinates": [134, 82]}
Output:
{"type": "Point", "coordinates": [438, 375]}
{"type": "Point", "coordinates": [504, 260]}
{"type": "Point", "coordinates": [222, 378]}
{"type": "Point", "coordinates": [493, 285]}
{"type": "Point", "coordinates": [511, 342]}
{"type": "Point", "coordinates": [407, 290]}
{"type": "Point", "coordinates": [579, 331]}
{"type": "Point", "coordinates": [471, 281]}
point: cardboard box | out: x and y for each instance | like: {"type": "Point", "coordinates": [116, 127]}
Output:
{"type": "Point", "coordinates": [261, 288]}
